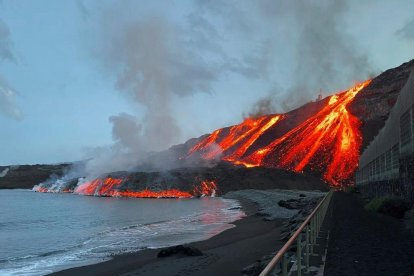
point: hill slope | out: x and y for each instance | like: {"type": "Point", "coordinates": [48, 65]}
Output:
{"type": "Point", "coordinates": [323, 138]}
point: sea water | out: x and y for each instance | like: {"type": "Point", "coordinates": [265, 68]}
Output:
{"type": "Point", "coordinates": [42, 233]}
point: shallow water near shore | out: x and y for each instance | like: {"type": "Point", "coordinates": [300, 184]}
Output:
{"type": "Point", "coordinates": [42, 233]}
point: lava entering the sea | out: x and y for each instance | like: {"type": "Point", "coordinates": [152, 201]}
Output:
{"type": "Point", "coordinates": [113, 187]}
{"type": "Point", "coordinates": [327, 143]}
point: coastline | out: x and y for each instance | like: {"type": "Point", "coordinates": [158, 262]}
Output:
{"type": "Point", "coordinates": [254, 239]}
{"type": "Point", "coordinates": [224, 254]}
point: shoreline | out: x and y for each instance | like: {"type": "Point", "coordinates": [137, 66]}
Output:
{"type": "Point", "coordinates": [250, 244]}
{"type": "Point", "coordinates": [224, 254]}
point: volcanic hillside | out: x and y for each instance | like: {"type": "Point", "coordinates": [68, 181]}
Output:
{"type": "Point", "coordinates": [324, 138]}
{"type": "Point", "coordinates": [320, 140]}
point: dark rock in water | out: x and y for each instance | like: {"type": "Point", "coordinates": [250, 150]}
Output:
{"type": "Point", "coordinates": [302, 195]}
{"type": "Point", "coordinates": [179, 249]}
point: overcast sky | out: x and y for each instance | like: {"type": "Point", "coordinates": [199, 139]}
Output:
{"type": "Point", "coordinates": [82, 75]}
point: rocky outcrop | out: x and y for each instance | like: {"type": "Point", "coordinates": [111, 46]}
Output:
{"type": "Point", "coordinates": [179, 249]}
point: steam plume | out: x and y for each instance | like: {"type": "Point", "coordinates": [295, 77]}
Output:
{"type": "Point", "coordinates": [407, 31]}
{"type": "Point", "coordinates": [324, 55]}
{"type": "Point", "coordinates": [7, 94]}
{"type": "Point", "coordinates": [156, 61]}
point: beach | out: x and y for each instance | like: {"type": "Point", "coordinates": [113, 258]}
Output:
{"type": "Point", "coordinates": [255, 236]}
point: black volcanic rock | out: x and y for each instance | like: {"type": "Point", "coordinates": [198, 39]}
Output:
{"type": "Point", "coordinates": [226, 176]}
{"type": "Point", "coordinates": [179, 249]}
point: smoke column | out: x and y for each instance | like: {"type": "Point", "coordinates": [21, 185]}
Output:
{"type": "Point", "coordinates": [323, 56]}
{"type": "Point", "coordinates": [8, 106]}
{"type": "Point", "coordinates": [156, 61]}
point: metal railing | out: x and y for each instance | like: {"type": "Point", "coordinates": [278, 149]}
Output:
{"type": "Point", "coordinates": [310, 228]}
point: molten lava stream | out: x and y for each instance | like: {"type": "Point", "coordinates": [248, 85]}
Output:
{"type": "Point", "coordinates": [173, 193]}
{"type": "Point", "coordinates": [99, 186]}
{"type": "Point", "coordinates": [240, 137]}
{"type": "Point", "coordinates": [327, 143]}
{"type": "Point", "coordinates": [111, 187]}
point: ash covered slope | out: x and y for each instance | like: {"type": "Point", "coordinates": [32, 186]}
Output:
{"type": "Point", "coordinates": [323, 138]}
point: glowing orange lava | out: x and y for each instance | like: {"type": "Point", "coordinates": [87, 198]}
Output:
{"type": "Point", "coordinates": [327, 142]}
{"type": "Point", "coordinates": [239, 138]}
{"type": "Point", "coordinates": [206, 188]}
{"type": "Point", "coordinates": [113, 187]}
{"type": "Point", "coordinates": [99, 187]}
{"type": "Point", "coordinates": [173, 193]}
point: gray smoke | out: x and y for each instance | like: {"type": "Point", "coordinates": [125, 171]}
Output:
{"type": "Point", "coordinates": [324, 55]}
{"type": "Point", "coordinates": [83, 10]}
{"type": "Point", "coordinates": [407, 31]}
{"type": "Point", "coordinates": [4, 172]}
{"type": "Point", "coordinates": [8, 106]}
{"type": "Point", "coordinates": [263, 106]}
{"type": "Point", "coordinates": [152, 65]}
{"type": "Point", "coordinates": [155, 62]}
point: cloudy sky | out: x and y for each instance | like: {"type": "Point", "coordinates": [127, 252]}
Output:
{"type": "Point", "coordinates": [83, 78]}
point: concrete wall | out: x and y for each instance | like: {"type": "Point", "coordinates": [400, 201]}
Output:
{"type": "Point", "coordinates": [381, 160]}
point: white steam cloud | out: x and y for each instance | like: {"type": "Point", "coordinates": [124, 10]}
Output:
{"type": "Point", "coordinates": [8, 106]}
{"type": "Point", "coordinates": [407, 31]}
{"type": "Point", "coordinates": [324, 56]}
{"type": "Point", "coordinates": [157, 60]}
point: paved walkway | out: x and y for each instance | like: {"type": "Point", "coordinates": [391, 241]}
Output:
{"type": "Point", "coordinates": [364, 243]}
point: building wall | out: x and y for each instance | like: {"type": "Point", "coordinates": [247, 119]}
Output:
{"type": "Point", "coordinates": [382, 160]}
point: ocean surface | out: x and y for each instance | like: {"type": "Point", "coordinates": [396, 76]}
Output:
{"type": "Point", "coordinates": [41, 233]}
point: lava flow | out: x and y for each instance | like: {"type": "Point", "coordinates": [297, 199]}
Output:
{"type": "Point", "coordinates": [327, 143]}
{"type": "Point", "coordinates": [113, 187]}
{"type": "Point", "coordinates": [99, 187]}
{"type": "Point", "coordinates": [239, 138]}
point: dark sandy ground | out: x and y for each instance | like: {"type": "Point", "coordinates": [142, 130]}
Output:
{"type": "Point", "coordinates": [225, 254]}
{"type": "Point", "coordinates": [365, 243]}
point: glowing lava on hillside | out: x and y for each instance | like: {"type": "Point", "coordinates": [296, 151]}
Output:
{"type": "Point", "coordinates": [239, 137]}
{"type": "Point", "coordinates": [327, 143]}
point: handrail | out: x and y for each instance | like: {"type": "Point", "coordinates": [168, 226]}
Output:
{"type": "Point", "coordinates": [311, 225]}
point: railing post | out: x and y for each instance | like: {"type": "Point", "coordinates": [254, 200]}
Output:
{"type": "Point", "coordinates": [284, 265]}
{"type": "Point", "coordinates": [307, 248]}
{"type": "Point", "coordinates": [299, 255]}
{"type": "Point", "coordinates": [320, 221]}
{"type": "Point", "coordinates": [317, 223]}
{"type": "Point", "coordinates": [312, 226]}
{"type": "Point", "coordinates": [311, 235]}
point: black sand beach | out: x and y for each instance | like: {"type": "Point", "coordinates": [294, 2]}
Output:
{"type": "Point", "coordinates": [225, 254]}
